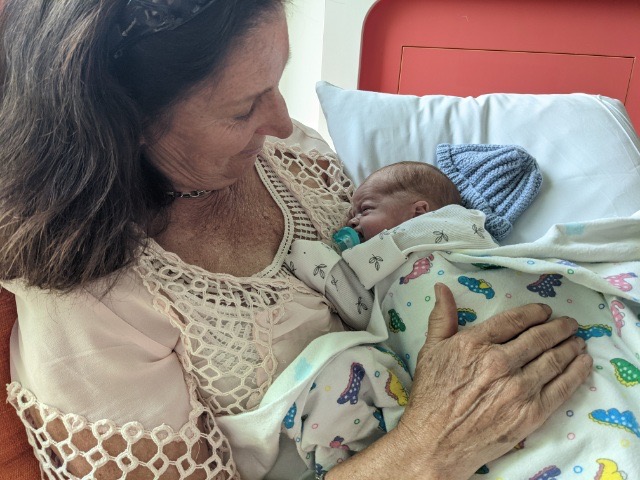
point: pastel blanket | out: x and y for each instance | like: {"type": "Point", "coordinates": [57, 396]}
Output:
{"type": "Point", "coordinates": [586, 270]}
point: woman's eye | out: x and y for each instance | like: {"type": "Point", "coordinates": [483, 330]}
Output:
{"type": "Point", "coordinates": [246, 116]}
{"type": "Point", "coordinates": [243, 118]}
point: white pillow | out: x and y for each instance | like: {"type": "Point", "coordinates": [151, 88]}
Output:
{"type": "Point", "coordinates": [585, 145]}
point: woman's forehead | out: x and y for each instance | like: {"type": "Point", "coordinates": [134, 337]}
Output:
{"type": "Point", "coordinates": [256, 64]}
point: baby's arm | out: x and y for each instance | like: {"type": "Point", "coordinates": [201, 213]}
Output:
{"type": "Point", "coordinates": [324, 270]}
{"type": "Point", "coordinates": [449, 228]}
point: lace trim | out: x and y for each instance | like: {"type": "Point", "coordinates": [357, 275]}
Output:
{"type": "Point", "coordinates": [226, 329]}
{"type": "Point", "coordinates": [289, 224]}
{"type": "Point", "coordinates": [323, 192]}
{"type": "Point", "coordinates": [226, 322]}
{"type": "Point", "coordinates": [168, 454]}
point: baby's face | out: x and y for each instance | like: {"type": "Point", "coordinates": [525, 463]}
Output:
{"type": "Point", "coordinates": [372, 212]}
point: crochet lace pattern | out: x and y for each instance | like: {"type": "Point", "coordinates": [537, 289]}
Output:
{"type": "Point", "coordinates": [226, 325]}
{"type": "Point", "coordinates": [226, 322]}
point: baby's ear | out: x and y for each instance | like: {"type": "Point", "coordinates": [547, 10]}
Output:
{"type": "Point", "coordinates": [421, 207]}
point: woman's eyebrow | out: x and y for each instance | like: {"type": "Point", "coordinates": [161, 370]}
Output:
{"type": "Point", "coordinates": [249, 98]}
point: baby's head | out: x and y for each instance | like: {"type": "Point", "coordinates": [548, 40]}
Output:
{"type": "Point", "coordinates": [397, 193]}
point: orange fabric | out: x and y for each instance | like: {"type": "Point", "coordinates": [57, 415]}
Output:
{"type": "Point", "coordinates": [17, 461]}
{"type": "Point", "coordinates": [490, 48]}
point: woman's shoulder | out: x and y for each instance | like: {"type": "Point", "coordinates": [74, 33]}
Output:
{"type": "Point", "coordinates": [305, 147]}
{"type": "Point", "coordinates": [307, 167]}
{"type": "Point", "coordinates": [308, 158]}
{"type": "Point", "coordinates": [306, 139]}
{"type": "Point", "coordinates": [120, 304]}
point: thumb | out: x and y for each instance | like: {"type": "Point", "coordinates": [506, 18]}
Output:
{"type": "Point", "coordinates": [443, 320]}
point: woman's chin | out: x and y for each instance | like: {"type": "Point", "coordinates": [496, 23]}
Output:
{"type": "Point", "coordinates": [242, 167]}
{"type": "Point", "coordinates": [253, 153]}
{"type": "Point", "coordinates": [238, 167]}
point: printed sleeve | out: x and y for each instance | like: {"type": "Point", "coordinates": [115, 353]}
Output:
{"type": "Point", "coordinates": [321, 268]}
{"type": "Point", "coordinates": [449, 228]}
{"type": "Point", "coordinates": [375, 259]}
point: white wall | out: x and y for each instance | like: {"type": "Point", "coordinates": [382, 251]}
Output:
{"type": "Point", "coordinates": [325, 38]}
{"type": "Point", "coordinates": [306, 31]}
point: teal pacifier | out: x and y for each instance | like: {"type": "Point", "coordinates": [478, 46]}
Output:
{"type": "Point", "coordinates": [346, 238]}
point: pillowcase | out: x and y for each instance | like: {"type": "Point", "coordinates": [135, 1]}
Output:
{"type": "Point", "coordinates": [587, 150]}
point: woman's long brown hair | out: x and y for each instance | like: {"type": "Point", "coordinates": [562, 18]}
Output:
{"type": "Point", "coordinates": [76, 194]}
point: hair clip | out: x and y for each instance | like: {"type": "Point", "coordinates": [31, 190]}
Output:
{"type": "Point", "coordinates": [140, 18]}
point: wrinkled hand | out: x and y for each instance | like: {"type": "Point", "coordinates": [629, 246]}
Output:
{"type": "Point", "coordinates": [479, 392]}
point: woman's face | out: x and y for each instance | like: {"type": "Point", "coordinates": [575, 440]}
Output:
{"type": "Point", "coordinates": [216, 133]}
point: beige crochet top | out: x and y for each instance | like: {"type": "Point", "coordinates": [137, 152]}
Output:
{"type": "Point", "coordinates": [172, 346]}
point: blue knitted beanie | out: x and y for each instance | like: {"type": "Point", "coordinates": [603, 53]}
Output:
{"type": "Point", "coordinates": [499, 180]}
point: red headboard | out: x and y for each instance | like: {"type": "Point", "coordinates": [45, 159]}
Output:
{"type": "Point", "coordinates": [472, 47]}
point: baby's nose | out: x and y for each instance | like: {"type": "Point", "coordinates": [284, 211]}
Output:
{"type": "Point", "coordinates": [353, 223]}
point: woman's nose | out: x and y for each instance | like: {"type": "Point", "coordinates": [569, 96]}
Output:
{"type": "Point", "coordinates": [277, 122]}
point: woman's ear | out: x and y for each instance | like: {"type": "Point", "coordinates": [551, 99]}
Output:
{"type": "Point", "coordinates": [420, 207]}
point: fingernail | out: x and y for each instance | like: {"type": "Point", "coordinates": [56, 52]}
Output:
{"type": "Point", "coordinates": [581, 343]}
{"type": "Point", "coordinates": [546, 308]}
{"type": "Point", "coordinates": [438, 289]}
{"type": "Point", "coordinates": [586, 359]}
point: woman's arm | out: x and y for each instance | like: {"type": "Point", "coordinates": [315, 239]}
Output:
{"type": "Point", "coordinates": [101, 390]}
{"type": "Point", "coordinates": [143, 450]}
{"type": "Point", "coordinates": [476, 393]}
{"type": "Point", "coordinates": [71, 446]}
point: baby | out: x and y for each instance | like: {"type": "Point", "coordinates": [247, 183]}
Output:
{"type": "Point", "coordinates": [417, 234]}
{"type": "Point", "coordinates": [397, 193]}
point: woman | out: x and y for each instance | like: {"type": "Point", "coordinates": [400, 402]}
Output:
{"type": "Point", "coordinates": [145, 216]}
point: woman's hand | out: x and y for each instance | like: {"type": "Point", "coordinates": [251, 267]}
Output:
{"type": "Point", "coordinates": [477, 393]}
